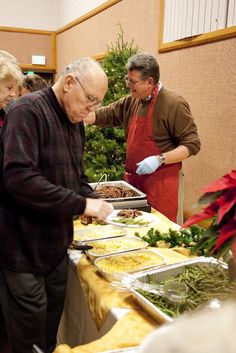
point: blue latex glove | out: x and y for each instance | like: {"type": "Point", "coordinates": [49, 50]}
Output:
{"type": "Point", "coordinates": [148, 165]}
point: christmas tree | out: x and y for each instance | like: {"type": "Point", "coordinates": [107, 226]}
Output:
{"type": "Point", "coordinates": [105, 148]}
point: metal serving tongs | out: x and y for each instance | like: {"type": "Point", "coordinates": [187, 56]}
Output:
{"type": "Point", "coordinates": [104, 176]}
{"type": "Point", "coordinates": [172, 290]}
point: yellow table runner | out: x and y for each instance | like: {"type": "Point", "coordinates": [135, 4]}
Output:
{"type": "Point", "coordinates": [99, 293]}
{"type": "Point", "coordinates": [161, 222]}
{"type": "Point", "coordinates": [129, 331]}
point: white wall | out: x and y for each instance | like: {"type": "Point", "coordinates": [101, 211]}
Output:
{"type": "Point", "coordinates": [70, 10]}
{"type": "Point", "coordinates": [43, 14]}
{"type": "Point", "coordinates": [32, 14]}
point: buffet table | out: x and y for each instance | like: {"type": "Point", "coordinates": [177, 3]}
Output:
{"type": "Point", "coordinates": [96, 317]}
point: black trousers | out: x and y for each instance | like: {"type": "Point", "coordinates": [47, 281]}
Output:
{"type": "Point", "coordinates": [32, 307]}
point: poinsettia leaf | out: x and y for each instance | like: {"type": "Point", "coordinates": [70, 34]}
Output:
{"type": "Point", "coordinates": [208, 212]}
{"type": "Point", "coordinates": [205, 245]}
{"type": "Point", "coordinates": [212, 230]}
{"type": "Point", "coordinates": [227, 181]}
{"type": "Point", "coordinates": [226, 202]}
{"type": "Point", "coordinates": [209, 197]}
{"type": "Point", "coordinates": [223, 252]}
{"type": "Point", "coordinates": [198, 218]}
{"type": "Point", "coordinates": [226, 232]}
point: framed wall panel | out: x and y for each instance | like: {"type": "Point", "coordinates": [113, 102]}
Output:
{"type": "Point", "coordinates": [199, 22]}
{"type": "Point", "coordinates": [23, 43]}
{"type": "Point", "coordinates": [231, 19]}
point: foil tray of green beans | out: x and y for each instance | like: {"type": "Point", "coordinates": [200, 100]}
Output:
{"type": "Point", "coordinates": [206, 277]}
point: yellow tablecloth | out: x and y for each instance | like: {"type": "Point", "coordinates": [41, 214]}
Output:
{"type": "Point", "coordinates": [161, 222]}
{"type": "Point", "coordinates": [102, 297]}
{"type": "Point", "coordinates": [129, 331]}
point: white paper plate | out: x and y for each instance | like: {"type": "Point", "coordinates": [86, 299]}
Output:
{"type": "Point", "coordinates": [145, 219]}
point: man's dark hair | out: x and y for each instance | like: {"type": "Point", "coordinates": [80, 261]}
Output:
{"type": "Point", "coordinates": [146, 64]}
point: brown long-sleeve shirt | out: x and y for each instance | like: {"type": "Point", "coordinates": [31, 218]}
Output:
{"type": "Point", "coordinates": [173, 124]}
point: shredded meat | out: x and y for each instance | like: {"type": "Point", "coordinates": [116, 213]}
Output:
{"type": "Point", "coordinates": [111, 191]}
{"type": "Point", "coordinates": [86, 219]}
{"type": "Point", "coordinates": [129, 213]}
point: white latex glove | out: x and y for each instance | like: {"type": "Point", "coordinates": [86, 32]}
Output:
{"type": "Point", "coordinates": [148, 165]}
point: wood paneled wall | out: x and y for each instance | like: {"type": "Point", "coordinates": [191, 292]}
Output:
{"type": "Point", "coordinates": [205, 75]}
{"type": "Point", "coordinates": [23, 43]}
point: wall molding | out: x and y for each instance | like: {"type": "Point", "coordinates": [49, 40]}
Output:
{"type": "Point", "coordinates": [88, 15]}
{"type": "Point", "coordinates": [29, 66]}
{"type": "Point", "coordinates": [53, 66]}
{"type": "Point", "coordinates": [205, 38]}
{"type": "Point", "coordinates": [99, 56]}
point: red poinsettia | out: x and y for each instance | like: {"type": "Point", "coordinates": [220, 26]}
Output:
{"type": "Point", "coordinates": [221, 199]}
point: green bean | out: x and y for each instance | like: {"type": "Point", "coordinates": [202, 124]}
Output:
{"type": "Point", "coordinates": [204, 283]}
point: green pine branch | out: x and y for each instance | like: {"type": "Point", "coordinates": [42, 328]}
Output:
{"type": "Point", "coordinates": [105, 149]}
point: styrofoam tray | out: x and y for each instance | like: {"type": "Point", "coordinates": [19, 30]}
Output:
{"type": "Point", "coordinates": [164, 273]}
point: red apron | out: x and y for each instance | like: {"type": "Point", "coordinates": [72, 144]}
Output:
{"type": "Point", "coordinates": [161, 187]}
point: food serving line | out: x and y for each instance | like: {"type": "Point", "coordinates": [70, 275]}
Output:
{"type": "Point", "coordinates": [95, 311]}
{"type": "Point", "coordinates": [98, 318]}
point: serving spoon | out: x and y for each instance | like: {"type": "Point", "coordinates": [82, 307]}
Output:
{"type": "Point", "coordinates": [174, 291]}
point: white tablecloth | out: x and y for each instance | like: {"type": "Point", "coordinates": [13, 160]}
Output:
{"type": "Point", "coordinates": [77, 326]}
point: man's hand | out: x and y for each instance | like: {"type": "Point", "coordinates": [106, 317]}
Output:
{"type": "Point", "coordinates": [89, 119]}
{"type": "Point", "coordinates": [148, 165]}
{"type": "Point", "coordinates": [97, 208]}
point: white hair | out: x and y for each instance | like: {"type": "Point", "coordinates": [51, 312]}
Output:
{"type": "Point", "coordinates": [82, 65]}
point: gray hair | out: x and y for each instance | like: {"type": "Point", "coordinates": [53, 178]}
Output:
{"type": "Point", "coordinates": [146, 64]}
{"type": "Point", "coordinates": [80, 66]}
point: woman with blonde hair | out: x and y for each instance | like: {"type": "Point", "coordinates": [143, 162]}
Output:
{"type": "Point", "coordinates": [10, 78]}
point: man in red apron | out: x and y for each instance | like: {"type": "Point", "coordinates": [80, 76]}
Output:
{"type": "Point", "coordinates": [160, 134]}
{"type": "Point", "coordinates": [146, 170]}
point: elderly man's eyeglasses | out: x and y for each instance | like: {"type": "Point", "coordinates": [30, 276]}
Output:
{"type": "Point", "coordinates": [92, 101]}
{"type": "Point", "coordinates": [133, 83]}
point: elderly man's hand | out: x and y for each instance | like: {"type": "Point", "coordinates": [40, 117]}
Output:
{"type": "Point", "coordinates": [148, 165]}
{"type": "Point", "coordinates": [98, 208]}
{"type": "Point", "coordinates": [89, 119]}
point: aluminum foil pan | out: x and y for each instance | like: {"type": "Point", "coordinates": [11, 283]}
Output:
{"type": "Point", "coordinates": [123, 350]}
{"type": "Point", "coordinates": [123, 184]}
{"type": "Point", "coordinates": [130, 243]}
{"type": "Point", "coordinates": [111, 276]}
{"type": "Point", "coordinates": [97, 232]}
{"type": "Point", "coordinates": [163, 274]}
